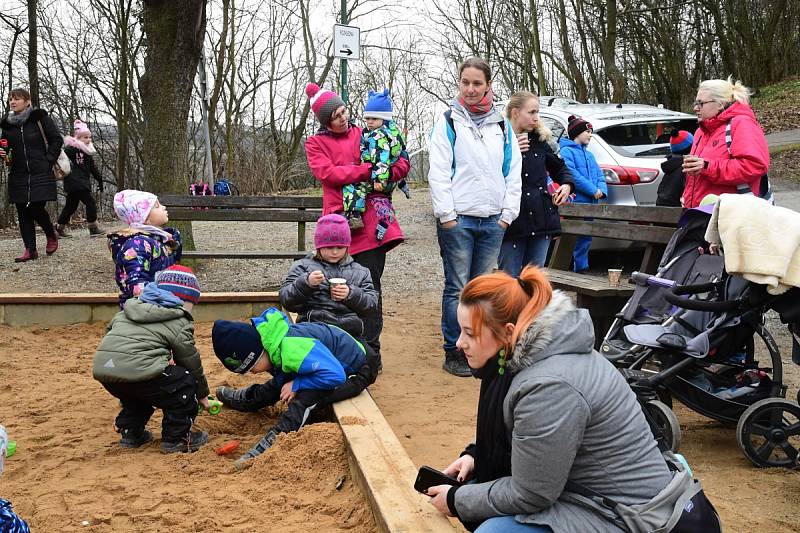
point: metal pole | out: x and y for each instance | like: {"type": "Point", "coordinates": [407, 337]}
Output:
{"type": "Point", "coordinates": [204, 118]}
{"type": "Point", "coordinates": [343, 61]}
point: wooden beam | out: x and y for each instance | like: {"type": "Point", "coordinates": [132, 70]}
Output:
{"type": "Point", "coordinates": [205, 254]}
{"type": "Point", "coordinates": [658, 215]}
{"type": "Point", "coordinates": [267, 202]}
{"type": "Point", "coordinates": [619, 231]}
{"type": "Point", "coordinates": [244, 215]}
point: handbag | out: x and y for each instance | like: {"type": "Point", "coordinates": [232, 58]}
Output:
{"type": "Point", "coordinates": [62, 166]}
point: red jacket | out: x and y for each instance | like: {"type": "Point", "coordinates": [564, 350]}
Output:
{"type": "Point", "coordinates": [335, 160]}
{"type": "Point", "coordinates": [747, 161]}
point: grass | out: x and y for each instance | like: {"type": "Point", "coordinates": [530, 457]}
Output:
{"type": "Point", "coordinates": [775, 150]}
{"type": "Point", "coordinates": [777, 106]}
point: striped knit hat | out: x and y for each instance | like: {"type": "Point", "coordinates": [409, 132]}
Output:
{"type": "Point", "coordinates": [180, 281]}
{"type": "Point", "coordinates": [680, 141]}
{"type": "Point", "coordinates": [323, 103]}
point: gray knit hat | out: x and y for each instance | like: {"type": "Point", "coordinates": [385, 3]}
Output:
{"type": "Point", "coordinates": [323, 103]}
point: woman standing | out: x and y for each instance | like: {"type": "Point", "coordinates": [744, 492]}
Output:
{"type": "Point", "coordinates": [474, 180]}
{"type": "Point", "coordinates": [729, 153]}
{"type": "Point", "coordinates": [33, 145]}
{"type": "Point", "coordinates": [527, 239]}
{"type": "Point", "coordinates": [334, 157]}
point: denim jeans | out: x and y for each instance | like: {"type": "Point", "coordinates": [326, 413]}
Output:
{"type": "Point", "coordinates": [468, 249]}
{"type": "Point", "coordinates": [507, 524]}
{"type": "Point", "coordinates": [515, 254]}
{"type": "Point", "coordinates": [580, 255]}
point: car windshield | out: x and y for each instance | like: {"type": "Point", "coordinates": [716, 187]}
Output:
{"type": "Point", "coordinates": [644, 139]}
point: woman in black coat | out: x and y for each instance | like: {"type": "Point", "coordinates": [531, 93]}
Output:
{"type": "Point", "coordinates": [527, 239]}
{"type": "Point", "coordinates": [31, 182]}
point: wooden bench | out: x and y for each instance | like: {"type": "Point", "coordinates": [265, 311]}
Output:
{"type": "Point", "coordinates": [299, 209]}
{"type": "Point", "coordinates": [652, 227]}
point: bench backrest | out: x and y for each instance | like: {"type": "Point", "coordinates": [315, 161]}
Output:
{"type": "Point", "coordinates": [624, 222]}
{"type": "Point", "coordinates": [244, 208]}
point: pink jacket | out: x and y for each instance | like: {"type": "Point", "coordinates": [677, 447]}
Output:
{"type": "Point", "coordinates": [747, 161]}
{"type": "Point", "coordinates": [335, 160]}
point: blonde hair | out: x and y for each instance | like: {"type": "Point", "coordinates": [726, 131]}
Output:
{"type": "Point", "coordinates": [517, 100]}
{"type": "Point", "coordinates": [727, 91]}
{"type": "Point", "coordinates": [497, 299]}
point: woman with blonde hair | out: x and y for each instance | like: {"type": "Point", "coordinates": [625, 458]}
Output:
{"type": "Point", "coordinates": [527, 238]}
{"type": "Point", "coordinates": [551, 411]}
{"type": "Point", "coordinates": [729, 153]}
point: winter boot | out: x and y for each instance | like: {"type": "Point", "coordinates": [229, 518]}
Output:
{"type": "Point", "coordinates": [29, 255]}
{"type": "Point", "coordinates": [52, 244]}
{"type": "Point", "coordinates": [190, 443]}
{"type": "Point", "coordinates": [95, 230]}
{"type": "Point", "coordinates": [456, 363]}
{"type": "Point", "coordinates": [132, 438]}
{"type": "Point", "coordinates": [261, 446]}
{"type": "Point", "coordinates": [61, 230]}
{"type": "Point", "coordinates": [237, 399]}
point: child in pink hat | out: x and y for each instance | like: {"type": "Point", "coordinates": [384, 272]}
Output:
{"type": "Point", "coordinates": [145, 247]}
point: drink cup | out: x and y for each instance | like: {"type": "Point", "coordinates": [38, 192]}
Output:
{"type": "Point", "coordinates": [614, 275]}
{"type": "Point", "coordinates": [333, 282]}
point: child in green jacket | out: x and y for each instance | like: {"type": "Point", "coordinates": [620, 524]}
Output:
{"type": "Point", "coordinates": [148, 359]}
{"type": "Point", "coordinates": [312, 365]}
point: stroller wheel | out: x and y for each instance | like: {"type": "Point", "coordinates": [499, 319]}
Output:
{"type": "Point", "coordinates": [768, 433]}
{"type": "Point", "coordinates": [666, 423]}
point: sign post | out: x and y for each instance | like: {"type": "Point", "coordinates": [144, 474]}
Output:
{"type": "Point", "coordinates": [346, 45]}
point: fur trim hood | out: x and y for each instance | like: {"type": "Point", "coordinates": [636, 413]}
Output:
{"type": "Point", "coordinates": [560, 328]}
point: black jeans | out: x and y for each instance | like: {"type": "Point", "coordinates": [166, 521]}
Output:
{"type": "Point", "coordinates": [374, 260]}
{"type": "Point", "coordinates": [174, 392]}
{"type": "Point", "coordinates": [300, 408]}
{"type": "Point", "coordinates": [28, 216]}
{"type": "Point", "coordinates": [73, 199]}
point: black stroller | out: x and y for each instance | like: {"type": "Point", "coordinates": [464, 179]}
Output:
{"type": "Point", "coordinates": [710, 350]}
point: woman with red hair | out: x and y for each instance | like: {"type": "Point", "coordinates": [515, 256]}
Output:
{"type": "Point", "coordinates": [551, 411]}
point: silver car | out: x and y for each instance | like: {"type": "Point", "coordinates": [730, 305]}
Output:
{"type": "Point", "coordinates": [630, 142]}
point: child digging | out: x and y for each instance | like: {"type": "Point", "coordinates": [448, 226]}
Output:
{"type": "Point", "coordinates": [81, 152]}
{"type": "Point", "coordinates": [144, 247]}
{"type": "Point", "coordinates": [309, 363]}
{"type": "Point", "coordinates": [381, 144]}
{"type": "Point", "coordinates": [148, 359]}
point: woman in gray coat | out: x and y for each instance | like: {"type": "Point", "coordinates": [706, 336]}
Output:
{"type": "Point", "coordinates": [551, 410]}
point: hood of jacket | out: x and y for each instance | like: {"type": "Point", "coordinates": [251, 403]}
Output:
{"type": "Point", "coordinates": [673, 162]}
{"type": "Point", "coordinates": [560, 328]}
{"type": "Point", "coordinates": [272, 326]}
{"type": "Point", "coordinates": [144, 313]}
{"type": "Point", "coordinates": [736, 109]}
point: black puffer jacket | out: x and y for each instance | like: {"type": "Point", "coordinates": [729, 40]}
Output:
{"type": "Point", "coordinates": [314, 304]}
{"type": "Point", "coordinates": [671, 187]}
{"type": "Point", "coordinates": [537, 214]}
{"type": "Point", "coordinates": [82, 161]}
{"type": "Point", "coordinates": [31, 176]}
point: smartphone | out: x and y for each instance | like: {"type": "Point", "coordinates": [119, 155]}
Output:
{"type": "Point", "coordinates": [428, 477]}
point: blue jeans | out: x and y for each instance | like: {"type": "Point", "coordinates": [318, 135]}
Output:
{"type": "Point", "coordinates": [516, 254]}
{"type": "Point", "coordinates": [468, 250]}
{"type": "Point", "coordinates": [580, 255]}
{"type": "Point", "coordinates": [507, 524]}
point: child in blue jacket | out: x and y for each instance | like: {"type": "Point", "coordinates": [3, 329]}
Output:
{"type": "Point", "coordinates": [312, 365]}
{"type": "Point", "coordinates": [590, 184]}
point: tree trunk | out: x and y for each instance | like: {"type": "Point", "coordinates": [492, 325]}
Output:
{"type": "Point", "coordinates": [33, 52]}
{"type": "Point", "coordinates": [123, 11]}
{"type": "Point", "coordinates": [173, 31]}
{"type": "Point", "coordinates": [609, 54]}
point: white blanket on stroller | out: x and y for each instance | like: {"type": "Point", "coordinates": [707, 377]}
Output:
{"type": "Point", "coordinates": [761, 242]}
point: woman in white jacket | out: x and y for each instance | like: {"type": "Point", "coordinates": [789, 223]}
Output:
{"type": "Point", "coordinates": [475, 186]}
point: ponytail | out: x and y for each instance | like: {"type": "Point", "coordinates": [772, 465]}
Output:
{"type": "Point", "coordinates": [497, 299]}
{"type": "Point", "coordinates": [725, 92]}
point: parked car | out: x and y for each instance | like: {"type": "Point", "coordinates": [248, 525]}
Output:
{"type": "Point", "coordinates": [630, 142]}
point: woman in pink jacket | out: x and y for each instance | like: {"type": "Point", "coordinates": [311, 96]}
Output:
{"type": "Point", "coordinates": [334, 156]}
{"type": "Point", "coordinates": [721, 162]}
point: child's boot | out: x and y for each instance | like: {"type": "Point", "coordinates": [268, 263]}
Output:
{"type": "Point", "coordinates": [261, 446]}
{"type": "Point", "coordinates": [133, 438]}
{"type": "Point", "coordinates": [29, 255]}
{"type": "Point", "coordinates": [237, 399]}
{"type": "Point", "coordinates": [95, 230]}
{"type": "Point", "coordinates": [52, 244]}
{"type": "Point", "coordinates": [61, 230]}
{"type": "Point", "coordinates": [190, 443]}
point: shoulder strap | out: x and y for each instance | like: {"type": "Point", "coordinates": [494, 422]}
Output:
{"type": "Point", "coordinates": [728, 137]}
{"type": "Point", "coordinates": [506, 148]}
{"type": "Point", "coordinates": [41, 130]}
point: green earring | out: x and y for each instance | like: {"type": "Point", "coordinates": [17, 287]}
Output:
{"type": "Point", "coordinates": [501, 361]}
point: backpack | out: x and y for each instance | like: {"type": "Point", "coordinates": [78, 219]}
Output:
{"type": "Point", "coordinates": [225, 188]}
{"type": "Point", "coordinates": [451, 135]}
{"type": "Point", "coordinates": [766, 187]}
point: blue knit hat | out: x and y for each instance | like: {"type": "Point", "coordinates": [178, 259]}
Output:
{"type": "Point", "coordinates": [236, 344]}
{"type": "Point", "coordinates": [680, 141]}
{"type": "Point", "coordinates": [379, 105]}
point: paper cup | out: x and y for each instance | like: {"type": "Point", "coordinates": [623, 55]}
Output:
{"type": "Point", "coordinates": [337, 281]}
{"type": "Point", "coordinates": [614, 275]}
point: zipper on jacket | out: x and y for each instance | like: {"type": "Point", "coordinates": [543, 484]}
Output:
{"type": "Point", "coordinates": [27, 165]}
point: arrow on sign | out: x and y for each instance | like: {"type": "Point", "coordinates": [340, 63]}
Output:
{"type": "Point", "coordinates": [346, 50]}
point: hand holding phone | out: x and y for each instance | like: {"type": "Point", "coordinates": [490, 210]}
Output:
{"type": "Point", "coordinates": [428, 477]}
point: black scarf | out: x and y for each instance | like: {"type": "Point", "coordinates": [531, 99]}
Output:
{"type": "Point", "coordinates": [492, 444]}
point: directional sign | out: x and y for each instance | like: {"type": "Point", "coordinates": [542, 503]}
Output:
{"type": "Point", "coordinates": [346, 42]}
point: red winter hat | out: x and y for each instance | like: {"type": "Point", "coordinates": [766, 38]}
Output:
{"type": "Point", "coordinates": [332, 230]}
{"type": "Point", "coordinates": [323, 103]}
